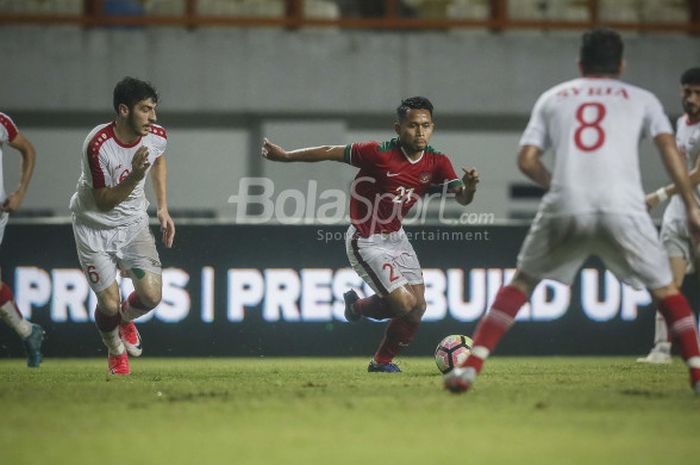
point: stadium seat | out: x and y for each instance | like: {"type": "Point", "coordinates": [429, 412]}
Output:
{"type": "Point", "coordinates": [429, 8]}
{"type": "Point", "coordinates": [165, 7]}
{"type": "Point", "coordinates": [666, 11]}
{"type": "Point", "coordinates": [324, 9]}
{"type": "Point", "coordinates": [626, 11]}
{"type": "Point", "coordinates": [263, 8]}
{"type": "Point", "coordinates": [549, 10]}
{"type": "Point", "coordinates": [569, 10]}
{"type": "Point", "coordinates": [256, 8]}
{"type": "Point", "coordinates": [469, 9]}
{"type": "Point", "coordinates": [42, 7]}
{"type": "Point", "coordinates": [528, 9]}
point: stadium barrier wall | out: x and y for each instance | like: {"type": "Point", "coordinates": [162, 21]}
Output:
{"type": "Point", "coordinates": [245, 290]}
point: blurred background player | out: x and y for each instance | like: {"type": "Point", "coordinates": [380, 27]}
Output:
{"type": "Point", "coordinates": [31, 333]}
{"type": "Point", "coordinates": [595, 203]}
{"type": "Point", "coordinates": [392, 176]}
{"type": "Point", "coordinates": [675, 237]}
{"type": "Point", "coordinates": [110, 219]}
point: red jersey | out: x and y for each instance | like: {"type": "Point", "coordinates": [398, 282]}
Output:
{"type": "Point", "coordinates": [389, 183]}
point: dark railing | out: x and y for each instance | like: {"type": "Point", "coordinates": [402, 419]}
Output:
{"type": "Point", "coordinates": [391, 18]}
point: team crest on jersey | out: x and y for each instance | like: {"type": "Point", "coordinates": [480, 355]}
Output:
{"type": "Point", "coordinates": [424, 177]}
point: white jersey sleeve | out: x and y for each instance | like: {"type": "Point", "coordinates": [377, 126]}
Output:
{"type": "Point", "coordinates": [8, 129]}
{"type": "Point", "coordinates": [655, 120]}
{"type": "Point", "coordinates": [97, 163]}
{"type": "Point", "coordinates": [160, 141]}
{"type": "Point", "coordinates": [536, 131]}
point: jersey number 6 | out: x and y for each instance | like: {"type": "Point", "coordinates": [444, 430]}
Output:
{"type": "Point", "coordinates": [92, 274]}
{"type": "Point", "coordinates": [590, 124]}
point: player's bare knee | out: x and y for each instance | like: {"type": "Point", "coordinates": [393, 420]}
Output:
{"type": "Point", "coordinates": [109, 304]}
{"type": "Point", "coordinates": [150, 298]}
{"type": "Point", "coordinates": [416, 315]}
{"type": "Point", "coordinates": [661, 293]}
{"type": "Point", "coordinates": [402, 302]}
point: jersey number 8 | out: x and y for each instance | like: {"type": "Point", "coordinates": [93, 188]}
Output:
{"type": "Point", "coordinates": [590, 124]}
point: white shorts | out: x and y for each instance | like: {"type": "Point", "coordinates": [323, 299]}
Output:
{"type": "Point", "coordinates": [4, 216]}
{"type": "Point", "coordinates": [104, 251]}
{"type": "Point", "coordinates": [629, 246]}
{"type": "Point", "coordinates": [677, 242]}
{"type": "Point", "coordinates": [384, 261]}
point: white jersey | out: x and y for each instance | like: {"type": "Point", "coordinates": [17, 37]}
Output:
{"type": "Point", "coordinates": [594, 126]}
{"type": "Point", "coordinates": [8, 132]}
{"type": "Point", "coordinates": [105, 163]}
{"type": "Point", "coordinates": [688, 141]}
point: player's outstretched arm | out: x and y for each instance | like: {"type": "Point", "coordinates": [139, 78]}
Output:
{"type": "Point", "coordinates": [679, 175]}
{"type": "Point", "coordinates": [26, 149]}
{"type": "Point", "coordinates": [659, 196]}
{"type": "Point", "coordinates": [673, 161]}
{"type": "Point", "coordinates": [159, 177]}
{"type": "Point", "coordinates": [470, 180]}
{"type": "Point", "coordinates": [310, 154]}
{"type": "Point", "coordinates": [106, 198]}
{"type": "Point", "coordinates": [530, 163]}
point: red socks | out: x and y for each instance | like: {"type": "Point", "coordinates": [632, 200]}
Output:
{"type": "Point", "coordinates": [372, 307]}
{"type": "Point", "coordinates": [5, 294]}
{"type": "Point", "coordinates": [494, 324]}
{"type": "Point", "coordinates": [104, 322]}
{"type": "Point", "coordinates": [133, 308]}
{"type": "Point", "coordinates": [683, 329]}
{"type": "Point", "coordinates": [398, 334]}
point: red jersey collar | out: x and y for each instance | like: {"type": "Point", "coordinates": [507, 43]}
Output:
{"type": "Point", "coordinates": [116, 139]}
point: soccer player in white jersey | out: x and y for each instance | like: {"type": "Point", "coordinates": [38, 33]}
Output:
{"type": "Point", "coordinates": [110, 222]}
{"type": "Point", "coordinates": [595, 203]}
{"type": "Point", "coordinates": [32, 335]}
{"type": "Point", "coordinates": [683, 256]}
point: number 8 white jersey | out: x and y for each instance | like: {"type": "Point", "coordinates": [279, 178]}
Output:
{"type": "Point", "coordinates": [594, 126]}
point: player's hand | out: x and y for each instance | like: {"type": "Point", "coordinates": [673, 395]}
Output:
{"type": "Point", "coordinates": [12, 202]}
{"type": "Point", "coordinates": [273, 151]}
{"type": "Point", "coordinates": [652, 201]}
{"type": "Point", "coordinates": [694, 224]}
{"type": "Point", "coordinates": [167, 227]}
{"type": "Point", "coordinates": [140, 163]}
{"type": "Point", "coordinates": [470, 178]}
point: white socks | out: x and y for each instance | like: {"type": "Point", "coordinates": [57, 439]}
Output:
{"type": "Point", "coordinates": [660, 330]}
{"type": "Point", "coordinates": [113, 342]}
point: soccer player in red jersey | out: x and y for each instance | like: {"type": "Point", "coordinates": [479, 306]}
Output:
{"type": "Point", "coordinates": [392, 176]}
{"type": "Point", "coordinates": [595, 203]}
{"type": "Point", "coordinates": [32, 335]}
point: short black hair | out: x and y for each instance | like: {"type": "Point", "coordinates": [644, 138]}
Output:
{"type": "Point", "coordinates": [601, 52]}
{"type": "Point", "coordinates": [691, 77]}
{"type": "Point", "coordinates": [413, 103]}
{"type": "Point", "coordinates": [129, 91]}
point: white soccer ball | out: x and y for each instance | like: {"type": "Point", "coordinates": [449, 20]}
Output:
{"type": "Point", "coordinates": [452, 352]}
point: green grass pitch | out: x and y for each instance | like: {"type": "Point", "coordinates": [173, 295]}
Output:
{"type": "Point", "coordinates": [310, 411]}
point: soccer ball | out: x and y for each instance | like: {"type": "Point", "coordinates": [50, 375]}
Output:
{"type": "Point", "coordinates": [452, 351]}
